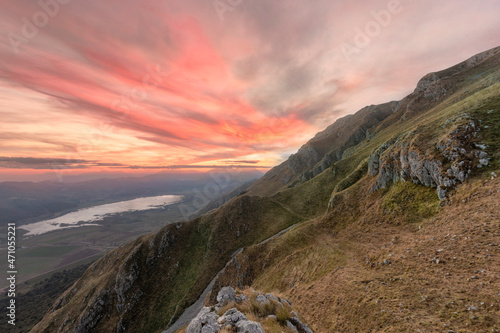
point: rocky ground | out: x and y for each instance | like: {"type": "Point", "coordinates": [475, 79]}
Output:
{"type": "Point", "coordinates": [247, 312]}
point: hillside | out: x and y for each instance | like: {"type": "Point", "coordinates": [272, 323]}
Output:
{"type": "Point", "coordinates": [395, 227]}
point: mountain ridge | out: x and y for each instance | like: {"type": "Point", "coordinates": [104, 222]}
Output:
{"type": "Point", "coordinates": [330, 200]}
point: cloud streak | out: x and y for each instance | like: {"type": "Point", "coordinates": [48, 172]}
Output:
{"type": "Point", "coordinates": [169, 84]}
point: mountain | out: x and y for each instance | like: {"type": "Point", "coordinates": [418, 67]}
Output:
{"type": "Point", "coordinates": [385, 221]}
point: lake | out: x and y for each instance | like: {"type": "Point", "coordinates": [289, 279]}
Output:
{"type": "Point", "coordinates": [88, 216]}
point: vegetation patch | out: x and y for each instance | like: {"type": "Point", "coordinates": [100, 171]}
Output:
{"type": "Point", "coordinates": [353, 177]}
{"type": "Point", "coordinates": [405, 201]}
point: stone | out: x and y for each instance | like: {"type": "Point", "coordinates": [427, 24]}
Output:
{"type": "Point", "coordinates": [241, 298]}
{"type": "Point", "coordinates": [205, 322]}
{"type": "Point", "coordinates": [231, 317]}
{"type": "Point", "coordinates": [262, 299]}
{"type": "Point", "coordinates": [484, 161]}
{"type": "Point", "coordinates": [401, 159]}
{"type": "Point", "coordinates": [301, 327]}
{"type": "Point", "coordinates": [441, 192]}
{"type": "Point", "coordinates": [273, 298]}
{"type": "Point", "coordinates": [226, 295]}
{"type": "Point", "coordinates": [247, 326]}
{"type": "Point", "coordinates": [291, 326]}
{"type": "Point", "coordinates": [210, 329]}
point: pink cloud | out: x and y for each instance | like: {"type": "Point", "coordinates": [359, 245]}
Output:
{"type": "Point", "coordinates": [171, 83]}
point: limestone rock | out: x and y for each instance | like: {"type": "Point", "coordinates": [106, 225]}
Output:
{"type": "Point", "coordinates": [231, 317]}
{"type": "Point", "coordinates": [262, 299]}
{"type": "Point", "coordinates": [226, 295]}
{"type": "Point", "coordinates": [247, 326]}
{"type": "Point", "coordinates": [402, 159]}
{"type": "Point", "coordinates": [205, 322]}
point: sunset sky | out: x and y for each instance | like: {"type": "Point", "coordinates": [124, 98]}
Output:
{"type": "Point", "coordinates": [146, 86]}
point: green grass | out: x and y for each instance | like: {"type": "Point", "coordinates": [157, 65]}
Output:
{"type": "Point", "coordinates": [353, 177]}
{"type": "Point", "coordinates": [206, 248]}
{"type": "Point", "coordinates": [410, 202]}
{"type": "Point", "coordinates": [489, 114]}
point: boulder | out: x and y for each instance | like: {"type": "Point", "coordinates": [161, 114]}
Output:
{"type": "Point", "coordinates": [231, 317]}
{"type": "Point", "coordinates": [247, 326]}
{"type": "Point", "coordinates": [262, 299]}
{"type": "Point", "coordinates": [205, 322]}
{"type": "Point", "coordinates": [226, 295]}
{"type": "Point", "coordinates": [301, 327]}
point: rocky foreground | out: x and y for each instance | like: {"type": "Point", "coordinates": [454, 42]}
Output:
{"type": "Point", "coordinates": [228, 314]}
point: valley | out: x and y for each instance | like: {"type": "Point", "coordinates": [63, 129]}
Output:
{"type": "Point", "coordinates": [54, 249]}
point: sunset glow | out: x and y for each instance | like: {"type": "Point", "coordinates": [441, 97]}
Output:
{"type": "Point", "coordinates": [142, 86]}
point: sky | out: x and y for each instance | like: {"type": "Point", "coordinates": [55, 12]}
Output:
{"type": "Point", "coordinates": [145, 86]}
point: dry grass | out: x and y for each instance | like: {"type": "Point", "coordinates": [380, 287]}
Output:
{"type": "Point", "coordinates": [412, 290]}
{"type": "Point", "coordinates": [282, 314]}
{"type": "Point", "coordinates": [226, 307]}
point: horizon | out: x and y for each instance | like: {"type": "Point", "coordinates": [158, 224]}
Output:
{"type": "Point", "coordinates": [187, 87]}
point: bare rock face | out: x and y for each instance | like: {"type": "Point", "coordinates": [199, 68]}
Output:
{"type": "Point", "coordinates": [226, 295]}
{"type": "Point", "coordinates": [231, 317]}
{"type": "Point", "coordinates": [247, 326]}
{"type": "Point", "coordinates": [437, 86]}
{"type": "Point", "coordinates": [403, 159]}
{"type": "Point", "coordinates": [126, 277]}
{"type": "Point", "coordinates": [306, 157]}
{"type": "Point", "coordinates": [205, 321]}
{"type": "Point", "coordinates": [93, 314]}
{"type": "Point", "coordinates": [327, 147]}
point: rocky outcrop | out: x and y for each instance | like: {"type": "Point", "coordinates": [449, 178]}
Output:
{"type": "Point", "coordinates": [312, 159]}
{"type": "Point", "coordinates": [146, 284]}
{"type": "Point", "coordinates": [327, 147]}
{"type": "Point", "coordinates": [442, 166]}
{"type": "Point", "coordinates": [334, 143]}
{"type": "Point", "coordinates": [126, 277]}
{"type": "Point", "coordinates": [208, 320]}
{"type": "Point", "coordinates": [93, 314]}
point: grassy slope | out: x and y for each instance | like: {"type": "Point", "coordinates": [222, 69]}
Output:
{"type": "Point", "coordinates": [340, 283]}
{"type": "Point", "coordinates": [330, 265]}
{"type": "Point", "coordinates": [33, 303]}
{"type": "Point", "coordinates": [196, 252]}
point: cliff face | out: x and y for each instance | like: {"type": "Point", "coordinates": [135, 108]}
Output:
{"type": "Point", "coordinates": [379, 171]}
{"type": "Point", "coordinates": [442, 165]}
{"type": "Point", "coordinates": [326, 148]}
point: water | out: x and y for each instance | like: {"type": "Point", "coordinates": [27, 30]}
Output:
{"type": "Point", "coordinates": [86, 216]}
